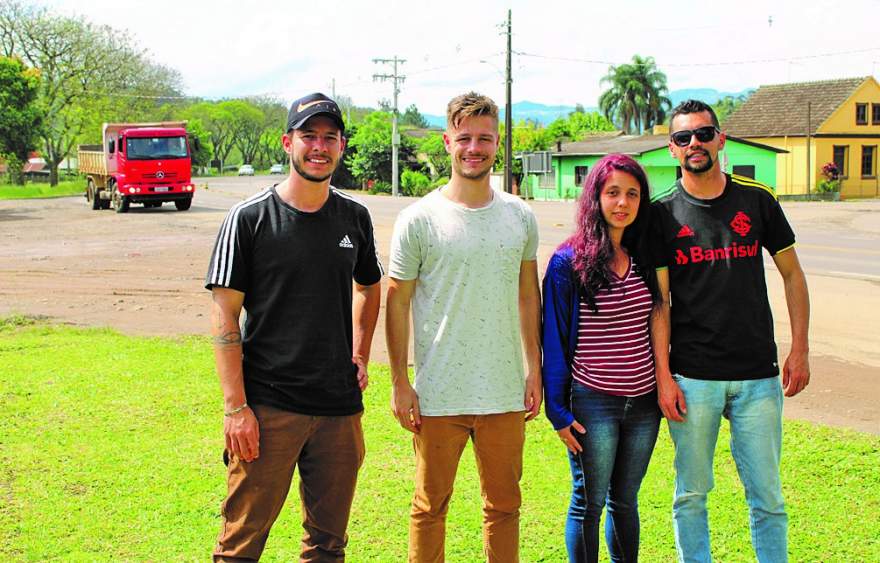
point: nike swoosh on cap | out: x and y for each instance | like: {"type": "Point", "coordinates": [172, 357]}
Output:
{"type": "Point", "coordinates": [308, 105]}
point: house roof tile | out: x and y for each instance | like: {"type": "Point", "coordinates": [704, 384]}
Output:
{"type": "Point", "coordinates": [781, 109]}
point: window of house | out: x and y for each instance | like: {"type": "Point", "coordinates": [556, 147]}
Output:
{"type": "Point", "coordinates": [869, 162]}
{"type": "Point", "coordinates": [745, 170]}
{"type": "Point", "coordinates": [580, 175]}
{"type": "Point", "coordinates": [841, 159]}
{"type": "Point", "coordinates": [861, 114]}
{"type": "Point", "coordinates": [875, 114]}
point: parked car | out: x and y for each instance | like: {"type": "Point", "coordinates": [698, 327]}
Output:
{"type": "Point", "coordinates": [277, 169]}
{"type": "Point", "coordinates": [245, 170]}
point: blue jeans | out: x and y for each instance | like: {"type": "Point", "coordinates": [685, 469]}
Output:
{"type": "Point", "coordinates": [620, 437]}
{"type": "Point", "coordinates": [754, 408]}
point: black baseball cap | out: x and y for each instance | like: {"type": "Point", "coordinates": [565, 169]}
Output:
{"type": "Point", "coordinates": [309, 106]}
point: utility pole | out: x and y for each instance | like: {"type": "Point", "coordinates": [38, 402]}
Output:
{"type": "Point", "coordinates": [809, 132]}
{"type": "Point", "coordinates": [508, 120]}
{"type": "Point", "coordinates": [396, 80]}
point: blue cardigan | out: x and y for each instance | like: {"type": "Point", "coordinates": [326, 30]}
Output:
{"type": "Point", "coordinates": [561, 315]}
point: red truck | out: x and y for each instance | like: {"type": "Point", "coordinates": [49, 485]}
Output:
{"type": "Point", "coordinates": [145, 163]}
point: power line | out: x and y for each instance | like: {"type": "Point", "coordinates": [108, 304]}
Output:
{"type": "Point", "coordinates": [422, 70]}
{"type": "Point", "coordinates": [451, 65]}
{"type": "Point", "coordinates": [719, 63]}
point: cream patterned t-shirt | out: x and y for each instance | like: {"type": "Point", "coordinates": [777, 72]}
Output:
{"type": "Point", "coordinates": [468, 355]}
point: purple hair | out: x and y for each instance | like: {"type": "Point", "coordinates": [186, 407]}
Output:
{"type": "Point", "coordinates": [591, 241]}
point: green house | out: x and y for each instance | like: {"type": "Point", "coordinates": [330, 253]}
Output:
{"type": "Point", "coordinates": [571, 162]}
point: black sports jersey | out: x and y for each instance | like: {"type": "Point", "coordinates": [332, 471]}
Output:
{"type": "Point", "coordinates": [295, 270]}
{"type": "Point", "coordinates": [722, 326]}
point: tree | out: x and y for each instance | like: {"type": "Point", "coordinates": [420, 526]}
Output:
{"type": "Point", "coordinates": [636, 99]}
{"type": "Point", "coordinates": [527, 137]}
{"type": "Point", "coordinates": [20, 118]}
{"type": "Point", "coordinates": [85, 70]}
{"type": "Point", "coordinates": [371, 159]}
{"type": "Point", "coordinates": [434, 149]}
{"type": "Point", "coordinates": [219, 123]}
{"type": "Point", "coordinates": [578, 125]}
{"type": "Point", "coordinates": [582, 124]}
{"type": "Point", "coordinates": [247, 127]}
{"type": "Point", "coordinates": [200, 143]}
{"type": "Point", "coordinates": [342, 176]}
{"type": "Point", "coordinates": [412, 117]}
{"type": "Point", "coordinates": [725, 107]}
{"type": "Point", "coordinates": [269, 148]}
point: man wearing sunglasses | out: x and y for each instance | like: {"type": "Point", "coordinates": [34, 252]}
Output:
{"type": "Point", "coordinates": [713, 339]}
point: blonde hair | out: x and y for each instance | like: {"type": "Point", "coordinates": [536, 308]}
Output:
{"type": "Point", "coordinates": [469, 105]}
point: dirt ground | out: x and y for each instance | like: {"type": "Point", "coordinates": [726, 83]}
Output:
{"type": "Point", "coordinates": [142, 273]}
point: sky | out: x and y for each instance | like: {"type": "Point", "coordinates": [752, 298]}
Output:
{"type": "Point", "coordinates": [227, 49]}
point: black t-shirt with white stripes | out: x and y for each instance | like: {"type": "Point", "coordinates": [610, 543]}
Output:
{"type": "Point", "coordinates": [296, 269]}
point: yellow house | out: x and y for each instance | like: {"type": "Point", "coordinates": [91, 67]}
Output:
{"type": "Point", "coordinates": [829, 121]}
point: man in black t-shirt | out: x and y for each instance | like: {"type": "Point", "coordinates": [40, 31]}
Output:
{"type": "Point", "coordinates": [713, 339]}
{"type": "Point", "coordinates": [292, 379]}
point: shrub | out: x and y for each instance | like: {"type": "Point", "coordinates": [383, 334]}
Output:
{"type": "Point", "coordinates": [414, 183]}
{"type": "Point", "coordinates": [380, 187]}
{"type": "Point", "coordinates": [439, 182]}
{"type": "Point", "coordinates": [828, 186]}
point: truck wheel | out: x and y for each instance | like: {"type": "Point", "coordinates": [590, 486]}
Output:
{"type": "Point", "coordinates": [120, 202]}
{"type": "Point", "coordinates": [183, 204]}
{"type": "Point", "coordinates": [92, 196]}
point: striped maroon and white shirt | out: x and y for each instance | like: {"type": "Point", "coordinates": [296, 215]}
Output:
{"type": "Point", "coordinates": [613, 353]}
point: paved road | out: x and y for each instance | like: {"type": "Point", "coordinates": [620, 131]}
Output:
{"type": "Point", "coordinates": [834, 239]}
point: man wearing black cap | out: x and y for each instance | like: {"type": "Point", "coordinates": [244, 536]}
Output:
{"type": "Point", "coordinates": [292, 379]}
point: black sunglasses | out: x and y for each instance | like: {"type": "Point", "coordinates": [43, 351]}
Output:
{"type": "Point", "coordinates": [704, 135]}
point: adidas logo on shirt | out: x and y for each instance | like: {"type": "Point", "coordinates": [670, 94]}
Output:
{"type": "Point", "coordinates": [345, 242]}
{"type": "Point", "coordinates": [685, 231]}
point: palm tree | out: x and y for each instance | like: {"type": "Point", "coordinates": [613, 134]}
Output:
{"type": "Point", "coordinates": [636, 99]}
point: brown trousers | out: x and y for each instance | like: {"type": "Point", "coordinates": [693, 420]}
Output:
{"type": "Point", "coordinates": [498, 446]}
{"type": "Point", "coordinates": [329, 450]}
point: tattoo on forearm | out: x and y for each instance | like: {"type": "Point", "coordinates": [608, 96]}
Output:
{"type": "Point", "coordinates": [228, 339]}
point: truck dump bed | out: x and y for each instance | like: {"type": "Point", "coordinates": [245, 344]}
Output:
{"type": "Point", "coordinates": [92, 160]}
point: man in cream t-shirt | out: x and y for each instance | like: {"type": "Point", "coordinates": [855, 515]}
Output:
{"type": "Point", "coordinates": [464, 258]}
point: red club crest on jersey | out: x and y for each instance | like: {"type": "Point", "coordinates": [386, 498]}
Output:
{"type": "Point", "coordinates": [741, 224]}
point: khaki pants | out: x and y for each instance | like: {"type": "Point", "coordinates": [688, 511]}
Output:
{"type": "Point", "coordinates": [329, 451]}
{"type": "Point", "coordinates": [498, 446]}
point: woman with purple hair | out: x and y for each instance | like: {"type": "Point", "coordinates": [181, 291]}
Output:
{"type": "Point", "coordinates": [598, 367]}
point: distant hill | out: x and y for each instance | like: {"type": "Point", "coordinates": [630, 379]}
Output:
{"type": "Point", "coordinates": [521, 110]}
{"type": "Point", "coordinates": [546, 114]}
{"type": "Point", "coordinates": [435, 120]}
{"type": "Point", "coordinates": [708, 95]}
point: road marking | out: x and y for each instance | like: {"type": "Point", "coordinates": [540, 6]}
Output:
{"type": "Point", "coordinates": [838, 249]}
{"type": "Point", "coordinates": [852, 275]}
{"type": "Point", "coordinates": [830, 273]}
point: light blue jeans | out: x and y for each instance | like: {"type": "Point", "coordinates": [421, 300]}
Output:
{"type": "Point", "coordinates": [754, 408]}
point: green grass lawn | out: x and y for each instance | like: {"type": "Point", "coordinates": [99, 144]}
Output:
{"type": "Point", "coordinates": [111, 450]}
{"type": "Point", "coordinates": [38, 190]}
